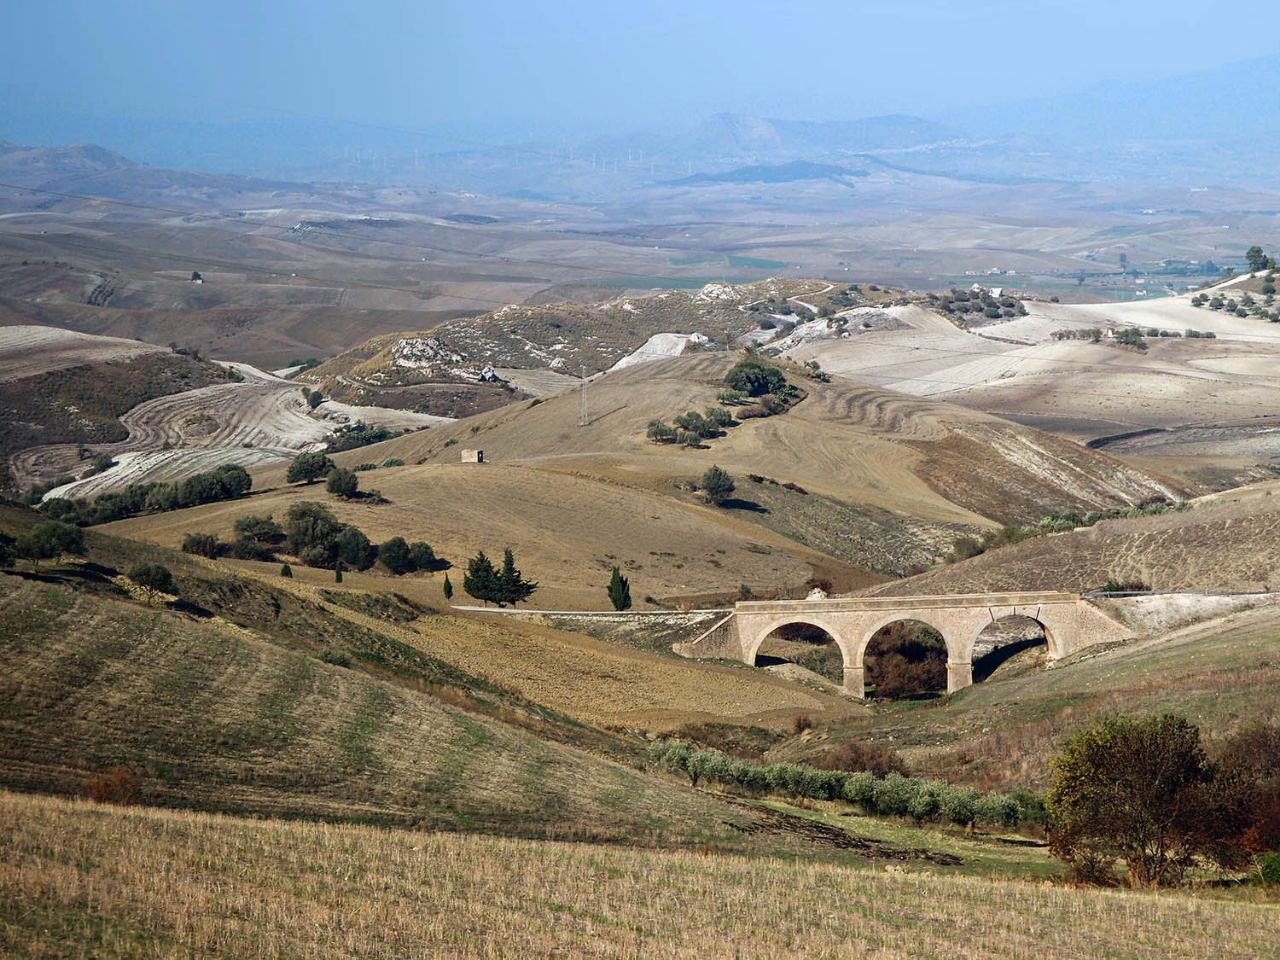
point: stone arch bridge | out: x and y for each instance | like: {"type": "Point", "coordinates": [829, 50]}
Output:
{"type": "Point", "coordinates": [1070, 623]}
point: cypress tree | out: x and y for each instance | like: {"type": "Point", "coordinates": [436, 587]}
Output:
{"type": "Point", "coordinates": [619, 590]}
{"type": "Point", "coordinates": [481, 579]}
{"type": "Point", "coordinates": [286, 571]}
{"type": "Point", "coordinates": [448, 588]}
{"type": "Point", "coordinates": [512, 587]}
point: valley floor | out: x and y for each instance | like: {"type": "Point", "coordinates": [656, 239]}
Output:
{"type": "Point", "coordinates": [79, 880]}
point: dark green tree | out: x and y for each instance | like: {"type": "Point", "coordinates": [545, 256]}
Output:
{"type": "Point", "coordinates": [153, 579]}
{"type": "Point", "coordinates": [342, 483]}
{"type": "Point", "coordinates": [48, 540]}
{"type": "Point", "coordinates": [308, 467]}
{"type": "Point", "coordinates": [1256, 259]}
{"type": "Point", "coordinates": [354, 549]}
{"type": "Point", "coordinates": [286, 571]}
{"type": "Point", "coordinates": [258, 528]}
{"type": "Point", "coordinates": [314, 399]}
{"type": "Point", "coordinates": [755, 378]}
{"type": "Point", "coordinates": [448, 587]}
{"type": "Point", "coordinates": [512, 587]}
{"type": "Point", "coordinates": [311, 532]}
{"type": "Point", "coordinates": [394, 555]}
{"type": "Point", "coordinates": [422, 556]}
{"type": "Point", "coordinates": [619, 590]}
{"type": "Point", "coordinates": [202, 545]}
{"type": "Point", "coordinates": [481, 579]}
{"type": "Point", "coordinates": [717, 485]}
{"type": "Point", "coordinates": [337, 573]}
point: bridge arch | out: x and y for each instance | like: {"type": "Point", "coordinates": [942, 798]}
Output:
{"type": "Point", "coordinates": [900, 616]}
{"type": "Point", "coordinates": [868, 633]}
{"type": "Point", "coordinates": [985, 661]}
{"type": "Point", "coordinates": [772, 626]}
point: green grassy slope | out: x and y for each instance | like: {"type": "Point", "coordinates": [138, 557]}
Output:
{"type": "Point", "coordinates": [1220, 673]}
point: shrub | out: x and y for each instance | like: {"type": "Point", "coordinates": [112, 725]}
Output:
{"type": "Point", "coordinates": [153, 579]}
{"type": "Point", "coordinates": [250, 550]}
{"type": "Point", "coordinates": [117, 785]}
{"type": "Point", "coordinates": [259, 528]}
{"type": "Point", "coordinates": [858, 755]}
{"type": "Point", "coordinates": [342, 483]}
{"type": "Point", "coordinates": [860, 788]}
{"type": "Point", "coordinates": [958, 805]}
{"type": "Point", "coordinates": [286, 571]}
{"type": "Point", "coordinates": [716, 485]}
{"type": "Point", "coordinates": [393, 462]}
{"type": "Point", "coordinates": [336, 657]}
{"type": "Point", "coordinates": [423, 557]}
{"type": "Point", "coordinates": [202, 545]}
{"type": "Point", "coordinates": [394, 555]}
{"type": "Point", "coordinates": [1269, 868]}
{"type": "Point", "coordinates": [892, 795]}
{"type": "Point", "coordinates": [354, 549]}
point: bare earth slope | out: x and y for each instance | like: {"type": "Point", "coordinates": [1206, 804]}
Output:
{"type": "Point", "coordinates": [1227, 542]}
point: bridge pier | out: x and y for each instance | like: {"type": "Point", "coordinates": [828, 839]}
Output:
{"type": "Point", "coordinates": [959, 676]}
{"type": "Point", "coordinates": [855, 682]}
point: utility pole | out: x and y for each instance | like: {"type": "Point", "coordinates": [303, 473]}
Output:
{"type": "Point", "coordinates": [582, 408]}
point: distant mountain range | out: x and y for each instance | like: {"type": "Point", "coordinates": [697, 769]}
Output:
{"type": "Point", "coordinates": [1214, 126]}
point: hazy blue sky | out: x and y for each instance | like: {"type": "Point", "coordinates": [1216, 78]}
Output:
{"type": "Point", "coordinates": [504, 68]}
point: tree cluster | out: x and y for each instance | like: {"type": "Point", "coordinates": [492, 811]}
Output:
{"type": "Point", "coordinates": [225, 483]}
{"type": "Point", "coordinates": [48, 541]}
{"type": "Point", "coordinates": [692, 427]}
{"type": "Point", "coordinates": [489, 584]}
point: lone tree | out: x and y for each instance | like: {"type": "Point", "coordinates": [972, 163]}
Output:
{"type": "Point", "coordinates": [1142, 791]}
{"type": "Point", "coordinates": [448, 587]}
{"type": "Point", "coordinates": [152, 579]}
{"type": "Point", "coordinates": [1256, 259]}
{"type": "Point", "coordinates": [619, 590]}
{"type": "Point", "coordinates": [308, 467]}
{"type": "Point", "coordinates": [342, 483]}
{"type": "Point", "coordinates": [481, 579]}
{"type": "Point", "coordinates": [286, 571]}
{"type": "Point", "coordinates": [314, 399]}
{"type": "Point", "coordinates": [717, 485]}
{"type": "Point", "coordinates": [512, 586]}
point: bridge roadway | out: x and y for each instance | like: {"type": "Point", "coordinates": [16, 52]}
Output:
{"type": "Point", "coordinates": [1070, 623]}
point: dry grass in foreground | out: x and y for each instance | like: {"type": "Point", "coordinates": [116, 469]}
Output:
{"type": "Point", "coordinates": [79, 881]}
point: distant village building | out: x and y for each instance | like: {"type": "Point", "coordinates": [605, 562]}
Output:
{"type": "Point", "coordinates": [473, 456]}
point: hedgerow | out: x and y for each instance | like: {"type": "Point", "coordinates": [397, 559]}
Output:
{"type": "Point", "coordinates": [894, 795]}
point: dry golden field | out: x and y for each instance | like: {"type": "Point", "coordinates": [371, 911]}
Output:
{"type": "Point", "coordinates": [84, 881]}
{"type": "Point", "coordinates": [566, 531]}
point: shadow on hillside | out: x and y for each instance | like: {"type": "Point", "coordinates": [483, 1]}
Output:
{"type": "Point", "coordinates": [989, 663]}
{"type": "Point", "coordinates": [734, 503]}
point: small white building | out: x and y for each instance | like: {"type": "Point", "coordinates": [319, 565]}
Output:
{"type": "Point", "coordinates": [473, 456]}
